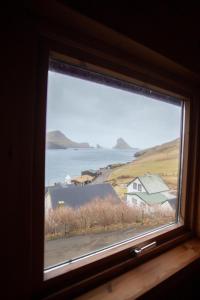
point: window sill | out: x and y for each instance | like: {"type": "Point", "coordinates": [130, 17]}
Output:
{"type": "Point", "coordinates": [147, 276]}
{"type": "Point", "coordinates": [159, 233]}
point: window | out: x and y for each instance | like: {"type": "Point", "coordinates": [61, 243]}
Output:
{"type": "Point", "coordinates": [134, 74]}
{"type": "Point", "coordinates": [135, 185]}
{"type": "Point", "coordinates": [92, 155]}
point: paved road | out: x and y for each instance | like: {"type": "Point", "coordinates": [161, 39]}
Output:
{"type": "Point", "coordinates": [103, 177]}
{"type": "Point", "coordinates": [57, 251]}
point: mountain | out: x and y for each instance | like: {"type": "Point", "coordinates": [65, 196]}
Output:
{"type": "Point", "coordinates": [121, 144]}
{"type": "Point", "coordinates": [51, 145]}
{"type": "Point", "coordinates": [57, 140]}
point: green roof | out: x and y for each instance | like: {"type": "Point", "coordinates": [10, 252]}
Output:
{"type": "Point", "coordinates": [153, 183]}
{"type": "Point", "coordinates": [151, 198]}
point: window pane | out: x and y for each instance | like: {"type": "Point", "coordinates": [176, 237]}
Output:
{"type": "Point", "coordinates": [112, 164]}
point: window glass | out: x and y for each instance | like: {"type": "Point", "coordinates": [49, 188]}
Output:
{"type": "Point", "coordinates": [99, 138]}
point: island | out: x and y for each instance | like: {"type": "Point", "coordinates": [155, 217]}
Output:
{"type": "Point", "coordinates": [57, 140]}
{"type": "Point", "coordinates": [122, 144]}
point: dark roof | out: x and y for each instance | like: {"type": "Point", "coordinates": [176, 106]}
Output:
{"type": "Point", "coordinates": [76, 196]}
{"type": "Point", "coordinates": [56, 184]}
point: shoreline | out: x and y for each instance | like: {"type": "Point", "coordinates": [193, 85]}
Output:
{"type": "Point", "coordinates": [104, 172]}
{"type": "Point", "coordinates": [107, 168]}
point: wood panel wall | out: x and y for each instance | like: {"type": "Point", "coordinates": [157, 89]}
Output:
{"type": "Point", "coordinates": [19, 63]}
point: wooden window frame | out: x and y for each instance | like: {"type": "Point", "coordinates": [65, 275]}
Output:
{"type": "Point", "coordinates": [130, 62]}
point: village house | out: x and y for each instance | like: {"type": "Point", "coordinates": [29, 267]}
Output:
{"type": "Point", "coordinates": [150, 191]}
{"type": "Point", "coordinates": [76, 196]}
{"type": "Point", "coordinates": [82, 180]}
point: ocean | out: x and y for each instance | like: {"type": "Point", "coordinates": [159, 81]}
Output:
{"type": "Point", "coordinates": [63, 162]}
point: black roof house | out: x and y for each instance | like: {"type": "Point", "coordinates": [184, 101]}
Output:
{"type": "Point", "coordinates": [76, 196]}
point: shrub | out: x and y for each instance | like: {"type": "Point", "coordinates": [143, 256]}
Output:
{"type": "Point", "coordinates": [100, 213]}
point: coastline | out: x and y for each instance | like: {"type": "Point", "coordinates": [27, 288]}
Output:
{"type": "Point", "coordinates": [61, 163]}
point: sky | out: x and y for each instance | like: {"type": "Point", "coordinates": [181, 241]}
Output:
{"type": "Point", "coordinates": [98, 114]}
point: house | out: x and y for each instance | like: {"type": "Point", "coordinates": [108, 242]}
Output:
{"type": "Point", "coordinates": [68, 179]}
{"type": "Point", "coordinates": [82, 180]}
{"type": "Point", "coordinates": [149, 191]}
{"type": "Point", "coordinates": [169, 206]}
{"type": "Point", "coordinates": [76, 196]}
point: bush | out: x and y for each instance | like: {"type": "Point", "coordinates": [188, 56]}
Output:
{"type": "Point", "coordinates": [100, 213]}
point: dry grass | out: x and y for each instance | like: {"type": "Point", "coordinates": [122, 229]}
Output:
{"type": "Point", "coordinates": [162, 160]}
{"type": "Point", "coordinates": [100, 215]}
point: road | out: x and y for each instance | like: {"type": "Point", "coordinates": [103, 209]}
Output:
{"type": "Point", "coordinates": [57, 251]}
{"type": "Point", "coordinates": [103, 177]}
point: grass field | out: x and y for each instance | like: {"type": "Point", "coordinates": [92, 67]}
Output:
{"type": "Point", "coordinates": [162, 160]}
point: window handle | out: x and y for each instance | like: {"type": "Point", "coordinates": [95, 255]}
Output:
{"type": "Point", "coordinates": [140, 250]}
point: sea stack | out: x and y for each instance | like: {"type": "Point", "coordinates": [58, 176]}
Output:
{"type": "Point", "coordinates": [121, 144]}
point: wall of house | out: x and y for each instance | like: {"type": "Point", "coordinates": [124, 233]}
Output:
{"type": "Point", "coordinates": [131, 189]}
{"type": "Point", "coordinates": [48, 204]}
{"type": "Point", "coordinates": [135, 201]}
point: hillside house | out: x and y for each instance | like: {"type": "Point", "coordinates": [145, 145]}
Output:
{"type": "Point", "coordinates": [76, 196]}
{"type": "Point", "coordinates": [149, 191]}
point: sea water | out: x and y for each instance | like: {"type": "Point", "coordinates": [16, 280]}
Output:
{"type": "Point", "coordinates": [63, 162]}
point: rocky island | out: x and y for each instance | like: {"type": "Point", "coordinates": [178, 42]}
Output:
{"type": "Point", "coordinates": [57, 140]}
{"type": "Point", "coordinates": [121, 144]}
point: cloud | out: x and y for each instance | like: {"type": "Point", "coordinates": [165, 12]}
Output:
{"type": "Point", "coordinates": [99, 114]}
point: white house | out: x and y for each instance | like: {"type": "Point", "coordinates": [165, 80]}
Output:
{"type": "Point", "coordinates": [68, 179]}
{"type": "Point", "coordinates": [149, 191]}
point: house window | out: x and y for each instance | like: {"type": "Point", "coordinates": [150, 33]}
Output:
{"type": "Point", "coordinates": [135, 185]}
{"type": "Point", "coordinates": [90, 125]}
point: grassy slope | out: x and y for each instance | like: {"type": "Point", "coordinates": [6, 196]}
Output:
{"type": "Point", "coordinates": [163, 160]}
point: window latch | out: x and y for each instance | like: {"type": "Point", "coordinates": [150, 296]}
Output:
{"type": "Point", "coordinates": [141, 250]}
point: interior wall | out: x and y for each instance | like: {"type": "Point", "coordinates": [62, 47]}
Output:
{"type": "Point", "coordinates": [19, 64]}
{"type": "Point", "coordinates": [168, 27]}
{"type": "Point", "coordinates": [18, 70]}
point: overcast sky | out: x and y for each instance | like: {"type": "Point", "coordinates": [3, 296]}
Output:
{"type": "Point", "coordinates": [89, 112]}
